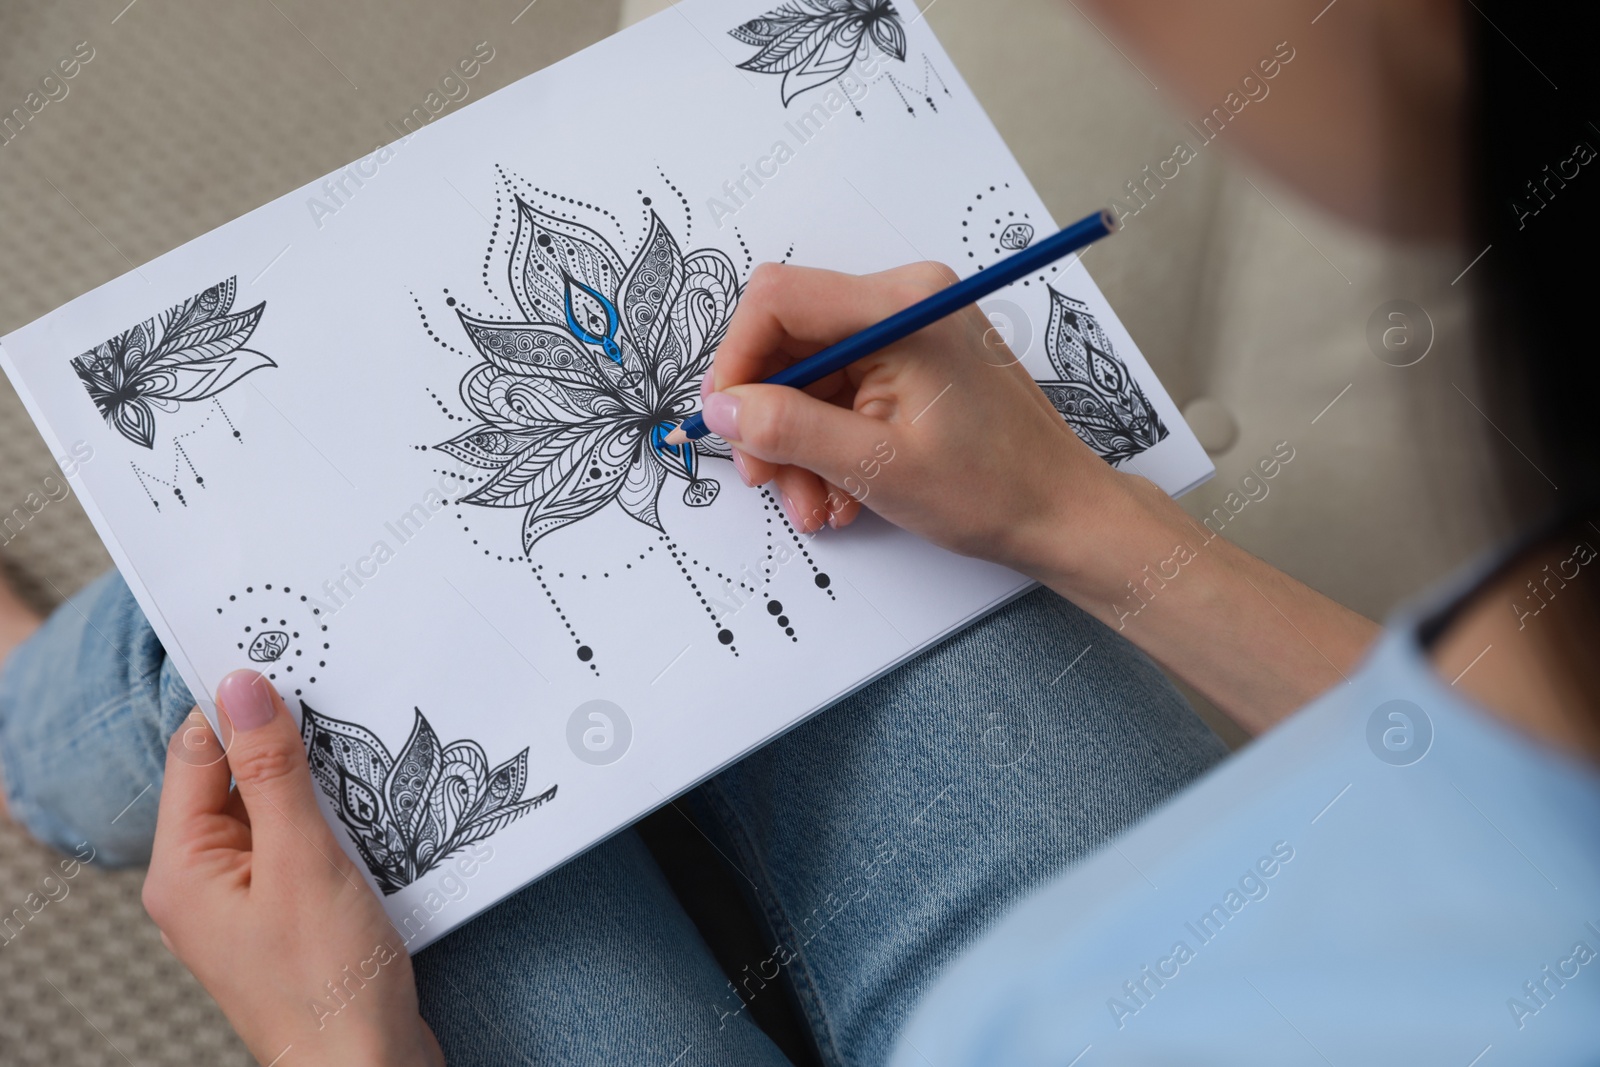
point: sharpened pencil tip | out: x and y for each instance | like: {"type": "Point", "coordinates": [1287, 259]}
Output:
{"type": "Point", "coordinates": [677, 437]}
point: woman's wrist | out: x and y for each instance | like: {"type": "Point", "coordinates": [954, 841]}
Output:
{"type": "Point", "coordinates": [1091, 541]}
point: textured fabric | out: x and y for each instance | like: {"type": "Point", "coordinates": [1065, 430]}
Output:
{"type": "Point", "coordinates": [877, 840]}
{"type": "Point", "coordinates": [86, 707]}
{"type": "Point", "coordinates": [1391, 877]}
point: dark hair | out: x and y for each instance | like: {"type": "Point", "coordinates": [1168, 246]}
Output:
{"type": "Point", "coordinates": [1534, 198]}
{"type": "Point", "coordinates": [1535, 205]}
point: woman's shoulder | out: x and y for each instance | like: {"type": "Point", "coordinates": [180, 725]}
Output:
{"type": "Point", "coordinates": [1379, 874]}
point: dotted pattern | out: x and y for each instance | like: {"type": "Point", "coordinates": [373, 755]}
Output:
{"type": "Point", "coordinates": [683, 560]}
{"type": "Point", "coordinates": [982, 238]}
{"type": "Point", "coordinates": [818, 577]}
{"type": "Point", "coordinates": [277, 630]}
{"type": "Point", "coordinates": [181, 453]}
{"type": "Point", "coordinates": [585, 652]}
{"type": "Point", "coordinates": [926, 91]}
{"type": "Point", "coordinates": [688, 216]}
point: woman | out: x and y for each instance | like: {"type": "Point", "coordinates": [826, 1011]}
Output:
{"type": "Point", "coordinates": [1402, 872]}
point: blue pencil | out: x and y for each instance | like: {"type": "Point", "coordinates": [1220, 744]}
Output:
{"type": "Point", "coordinates": [925, 313]}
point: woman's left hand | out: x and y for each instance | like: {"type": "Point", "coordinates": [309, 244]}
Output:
{"type": "Point", "coordinates": [254, 895]}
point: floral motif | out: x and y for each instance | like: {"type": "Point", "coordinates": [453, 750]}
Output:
{"type": "Point", "coordinates": [407, 813]}
{"type": "Point", "coordinates": [1097, 396]}
{"type": "Point", "coordinates": [813, 42]}
{"type": "Point", "coordinates": [192, 351]}
{"type": "Point", "coordinates": [576, 401]}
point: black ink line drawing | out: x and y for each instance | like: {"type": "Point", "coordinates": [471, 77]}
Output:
{"type": "Point", "coordinates": [1096, 394]}
{"type": "Point", "coordinates": [994, 225]}
{"type": "Point", "coordinates": [929, 75]}
{"type": "Point", "coordinates": [1017, 236]}
{"type": "Point", "coordinates": [192, 351]}
{"type": "Point", "coordinates": [576, 401]}
{"type": "Point", "coordinates": [283, 631]}
{"type": "Point", "coordinates": [408, 813]}
{"type": "Point", "coordinates": [813, 42]}
{"type": "Point", "coordinates": [180, 456]}
{"type": "Point", "coordinates": [571, 410]}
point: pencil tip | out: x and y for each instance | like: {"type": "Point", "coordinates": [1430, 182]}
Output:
{"type": "Point", "coordinates": [677, 437]}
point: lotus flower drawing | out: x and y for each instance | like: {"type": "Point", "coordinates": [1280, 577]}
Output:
{"type": "Point", "coordinates": [191, 351]}
{"type": "Point", "coordinates": [575, 400]}
{"type": "Point", "coordinates": [407, 813]}
{"type": "Point", "coordinates": [1096, 394]}
{"type": "Point", "coordinates": [813, 42]}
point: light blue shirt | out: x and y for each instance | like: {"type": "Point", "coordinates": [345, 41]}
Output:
{"type": "Point", "coordinates": [1392, 876]}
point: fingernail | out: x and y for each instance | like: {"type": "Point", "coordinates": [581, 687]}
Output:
{"type": "Point", "coordinates": [246, 699]}
{"type": "Point", "coordinates": [793, 515]}
{"type": "Point", "coordinates": [705, 387]}
{"type": "Point", "coordinates": [833, 520]}
{"type": "Point", "coordinates": [721, 413]}
{"type": "Point", "coordinates": [738, 465]}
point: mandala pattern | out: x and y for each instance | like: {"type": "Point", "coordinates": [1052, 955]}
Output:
{"type": "Point", "coordinates": [1096, 394]}
{"type": "Point", "coordinates": [407, 813]}
{"type": "Point", "coordinates": [813, 42]}
{"type": "Point", "coordinates": [576, 401]}
{"type": "Point", "coordinates": [192, 351]}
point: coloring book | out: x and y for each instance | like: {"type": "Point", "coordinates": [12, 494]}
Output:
{"type": "Point", "coordinates": [396, 439]}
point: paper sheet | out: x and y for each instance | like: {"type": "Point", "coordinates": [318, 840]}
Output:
{"type": "Point", "coordinates": [391, 438]}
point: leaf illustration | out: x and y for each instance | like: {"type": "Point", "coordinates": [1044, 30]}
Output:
{"type": "Point", "coordinates": [1097, 395]}
{"type": "Point", "coordinates": [813, 42]}
{"type": "Point", "coordinates": [576, 401]}
{"type": "Point", "coordinates": [192, 351]}
{"type": "Point", "coordinates": [439, 799]}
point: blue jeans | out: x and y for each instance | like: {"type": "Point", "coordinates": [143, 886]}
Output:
{"type": "Point", "coordinates": [874, 842]}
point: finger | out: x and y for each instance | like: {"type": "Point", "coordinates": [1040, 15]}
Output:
{"type": "Point", "coordinates": [804, 497]}
{"type": "Point", "coordinates": [196, 780]}
{"type": "Point", "coordinates": [786, 427]}
{"type": "Point", "coordinates": [269, 766]}
{"type": "Point", "coordinates": [843, 506]}
{"type": "Point", "coordinates": [788, 313]}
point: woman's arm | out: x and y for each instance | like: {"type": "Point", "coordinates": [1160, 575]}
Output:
{"type": "Point", "coordinates": [947, 435]}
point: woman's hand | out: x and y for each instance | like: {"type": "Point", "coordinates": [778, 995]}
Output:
{"type": "Point", "coordinates": [944, 434]}
{"type": "Point", "coordinates": [948, 436]}
{"type": "Point", "coordinates": [254, 895]}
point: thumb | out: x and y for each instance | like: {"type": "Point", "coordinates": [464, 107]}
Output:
{"type": "Point", "coordinates": [268, 761]}
{"type": "Point", "coordinates": [790, 427]}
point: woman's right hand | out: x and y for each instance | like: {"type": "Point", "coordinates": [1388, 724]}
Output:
{"type": "Point", "coordinates": [945, 433]}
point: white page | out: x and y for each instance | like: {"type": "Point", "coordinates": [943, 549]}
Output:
{"type": "Point", "coordinates": [321, 479]}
